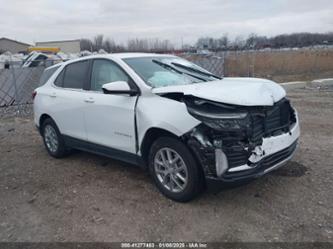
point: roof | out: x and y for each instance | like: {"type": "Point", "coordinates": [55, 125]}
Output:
{"type": "Point", "coordinates": [135, 55]}
{"type": "Point", "coordinates": [119, 56]}
{"type": "Point", "coordinates": [22, 43]}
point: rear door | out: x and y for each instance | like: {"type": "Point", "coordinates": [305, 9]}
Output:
{"type": "Point", "coordinates": [67, 99]}
{"type": "Point", "coordinates": [109, 117]}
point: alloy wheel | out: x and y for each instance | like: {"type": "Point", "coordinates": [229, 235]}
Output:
{"type": "Point", "coordinates": [51, 138]}
{"type": "Point", "coordinates": [171, 170]}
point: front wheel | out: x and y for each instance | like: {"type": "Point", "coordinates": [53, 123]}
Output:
{"type": "Point", "coordinates": [174, 169]}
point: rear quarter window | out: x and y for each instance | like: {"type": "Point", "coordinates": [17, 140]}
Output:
{"type": "Point", "coordinates": [59, 80]}
{"type": "Point", "coordinates": [47, 74]}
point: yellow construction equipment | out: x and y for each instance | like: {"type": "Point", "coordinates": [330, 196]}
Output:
{"type": "Point", "coordinates": [48, 50]}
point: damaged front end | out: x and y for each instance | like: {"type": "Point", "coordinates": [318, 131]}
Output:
{"type": "Point", "coordinates": [236, 142]}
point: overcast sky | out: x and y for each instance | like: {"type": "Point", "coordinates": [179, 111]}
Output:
{"type": "Point", "coordinates": [43, 20]}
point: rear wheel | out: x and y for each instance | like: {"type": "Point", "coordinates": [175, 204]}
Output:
{"type": "Point", "coordinates": [53, 140]}
{"type": "Point", "coordinates": [174, 169]}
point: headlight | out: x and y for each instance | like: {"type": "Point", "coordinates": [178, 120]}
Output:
{"type": "Point", "coordinates": [226, 124]}
{"type": "Point", "coordinates": [222, 120]}
{"type": "Point", "coordinates": [219, 115]}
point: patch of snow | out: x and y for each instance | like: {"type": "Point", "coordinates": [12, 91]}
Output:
{"type": "Point", "coordinates": [323, 80]}
{"type": "Point", "coordinates": [102, 51]}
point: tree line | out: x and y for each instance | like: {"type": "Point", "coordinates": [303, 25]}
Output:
{"type": "Point", "coordinates": [253, 41]}
{"type": "Point", "coordinates": [133, 45]}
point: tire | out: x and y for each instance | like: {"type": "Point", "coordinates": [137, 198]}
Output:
{"type": "Point", "coordinates": [56, 148]}
{"type": "Point", "coordinates": [183, 170]}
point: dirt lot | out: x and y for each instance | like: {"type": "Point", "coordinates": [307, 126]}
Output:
{"type": "Point", "coordinates": [91, 198]}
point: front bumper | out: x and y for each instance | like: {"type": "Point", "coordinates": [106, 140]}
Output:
{"type": "Point", "coordinates": [277, 151]}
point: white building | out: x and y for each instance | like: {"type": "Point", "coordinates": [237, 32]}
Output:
{"type": "Point", "coordinates": [69, 46]}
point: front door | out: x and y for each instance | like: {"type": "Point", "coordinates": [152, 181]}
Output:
{"type": "Point", "coordinates": [109, 118]}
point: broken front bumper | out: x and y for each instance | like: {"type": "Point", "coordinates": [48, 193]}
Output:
{"type": "Point", "coordinates": [274, 152]}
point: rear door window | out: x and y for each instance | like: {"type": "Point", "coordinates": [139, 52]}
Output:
{"type": "Point", "coordinates": [76, 75]}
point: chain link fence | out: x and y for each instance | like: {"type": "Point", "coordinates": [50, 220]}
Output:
{"type": "Point", "coordinates": [212, 63]}
{"type": "Point", "coordinates": [16, 87]}
{"type": "Point", "coordinates": [282, 65]}
{"type": "Point", "coordinates": [278, 65]}
{"type": "Point", "coordinates": [17, 83]}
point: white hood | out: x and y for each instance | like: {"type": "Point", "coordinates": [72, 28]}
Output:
{"type": "Point", "coordinates": [236, 91]}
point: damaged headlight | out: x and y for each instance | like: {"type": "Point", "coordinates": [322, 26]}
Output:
{"type": "Point", "coordinates": [222, 121]}
{"type": "Point", "coordinates": [219, 116]}
{"type": "Point", "coordinates": [225, 124]}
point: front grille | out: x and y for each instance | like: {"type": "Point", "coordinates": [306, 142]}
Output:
{"type": "Point", "coordinates": [258, 130]}
{"type": "Point", "coordinates": [274, 121]}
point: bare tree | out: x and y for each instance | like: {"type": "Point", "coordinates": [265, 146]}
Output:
{"type": "Point", "coordinates": [224, 42]}
{"type": "Point", "coordinates": [109, 45]}
{"type": "Point", "coordinates": [251, 41]}
{"type": "Point", "coordinates": [86, 44]}
{"type": "Point", "coordinates": [98, 42]}
{"type": "Point", "coordinates": [149, 45]}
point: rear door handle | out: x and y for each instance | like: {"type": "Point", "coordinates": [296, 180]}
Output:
{"type": "Point", "coordinates": [53, 95]}
{"type": "Point", "coordinates": [89, 100]}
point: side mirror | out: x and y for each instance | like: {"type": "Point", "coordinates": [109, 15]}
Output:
{"type": "Point", "coordinates": [118, 87]}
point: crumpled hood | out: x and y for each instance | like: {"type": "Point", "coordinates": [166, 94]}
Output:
{"type": "Point", "coordinates": [236, 91]}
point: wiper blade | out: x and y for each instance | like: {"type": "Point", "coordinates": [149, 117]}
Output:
{"type": "Point", "coordinates": [168, 66]}
{"type": "Point", "coordinates": [195, 70]}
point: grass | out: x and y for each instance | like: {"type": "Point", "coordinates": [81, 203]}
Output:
{"type": "Point", "coordinates": [278, 65]}
{"type": "Point", "coordinates": [281, 66]}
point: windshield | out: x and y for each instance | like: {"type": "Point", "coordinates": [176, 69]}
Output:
{"type": "Point", "coordinates": [167, 71]}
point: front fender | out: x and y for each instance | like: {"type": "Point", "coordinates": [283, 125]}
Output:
{"type": "Point", "coordinates": [163, 113]}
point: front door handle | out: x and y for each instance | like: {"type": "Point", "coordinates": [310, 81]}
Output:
{"type": "Point", "coordinates": [53, 95]}
{"type": "Point", "coordinates": [89, 100]}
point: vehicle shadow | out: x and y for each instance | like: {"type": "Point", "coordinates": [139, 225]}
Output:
{"type": "Point", "coordinates": [136, 176]}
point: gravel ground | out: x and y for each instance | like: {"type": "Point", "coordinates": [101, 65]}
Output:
{"type": "Point", "coordinates": [91, 198]}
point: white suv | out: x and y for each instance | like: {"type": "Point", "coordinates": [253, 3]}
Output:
{"type": "Point", "coordinates": [188, 127]}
